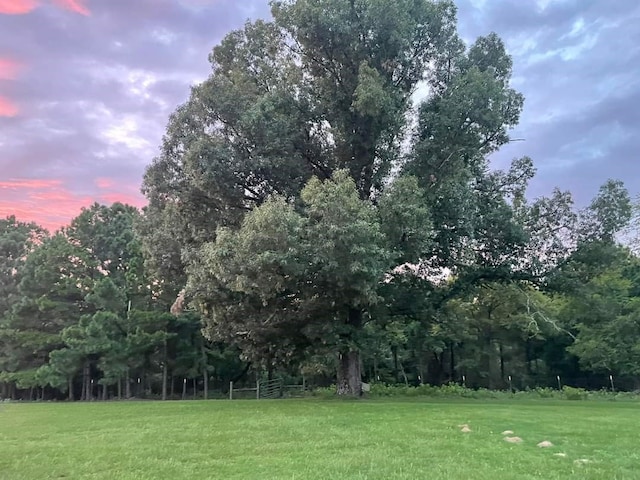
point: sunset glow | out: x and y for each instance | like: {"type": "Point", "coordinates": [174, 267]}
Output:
{"type": "Point", "coordinates": [87, 88]}
{"type": "Point", "coordinates": [52, 204]}
{"type": "Point", "coordinates": [77, 6]}
{"type": "Point", "coordinates": [17, 7]}
{"type": "Point", "coordinates": [9, 68]}
{"type": "Point", "coordinates": [7, 108]}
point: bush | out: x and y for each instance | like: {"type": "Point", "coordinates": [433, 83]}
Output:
{"type": "Point", "coordinates": [572, 393]}
{"type": "Point", "coordinates": [545, 392]}
{"type": "Point", "coordinates": [454, 390]}
{"type": "Point", "coordinates": [323, 392]}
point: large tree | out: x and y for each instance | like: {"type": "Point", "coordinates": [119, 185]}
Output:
{"type": "Point", "coordinates": [327, 85]}
{"type": "Point", "coordinates": [286, 284]}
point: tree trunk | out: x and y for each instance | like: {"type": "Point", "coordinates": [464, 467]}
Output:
{"type": "Point", "coordinates": [87, 380]}
{"type": "Point", "coordinates": [394, 352]}
{"type": "Point", "coordinates": [83, 392]}
{"type": "Point", "coordinates": [195, 389]}
{"type": "Point", "coordinates": [70, 388]}
{"type": "Point", "coordinates": [164, 370]}
{"type": "Point", "coordinates": [119, 388]}
{"type": "Point", "coordinates": [269, 366]}
{"type": "Point", "coordinates": [493, 358]}
{"type": "Point", "coordinates": [404, 374]}
{"type": "Point", "coordinates": [422, 369]}
{"type": "Point", "coordinates": [452, 361]}
{"type": "Point", "coordinates": [127, 385]}
{"type": "Point", "coordinates": [349, 375]}
{"type": "Point", "coordinates": [205, 377]}
{"type": "Point", "coordinates": [184, 389]}
{"type": "Point", "coordinates": [173, 384]}
{"type": "Point", "coordinates": [104, 392]}
{"type": "Point", "coordinates": [164, 380]}
{"type": "Point", "coordinates": [376, 377]}
{"type": "Point", "coordinates": [205, 371]}
{"type": "Point", "coordinates": [501, 362]}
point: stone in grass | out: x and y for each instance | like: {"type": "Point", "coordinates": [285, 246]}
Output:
{"type": "Point", "coordinates": [465, 429]}
{"type": "Point", "coordinates": [582, 461]}
{"type": "Point", "coordinates": [513, 439]}
{"type": "Point", "coordinates": [560, 455]}
{"type": "Point", "coordinates": [545, 444]}
{"type": "Point", "coordinates": [507, 432]}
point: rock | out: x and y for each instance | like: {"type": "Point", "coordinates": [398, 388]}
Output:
{"type": "Point", "coordinates": [507, 432]}
{"type": "Point", "coordinates": [545, 444]}
{"type": "Point", "coordinates": [559, 454]}
{"type": "Point", "coordinates": [582, 461]}
{"type": "Point", "coordinates": [513, 439]}
{"type": "Point", "coordinates": [465, 429]}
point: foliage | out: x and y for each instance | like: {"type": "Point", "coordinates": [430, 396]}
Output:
{"type": "Point", "coordinates": [453, 391]}
{"type": "Point", "coordinates": [306, 220]}
{"type": "Point", "coordinates": [572, 393]}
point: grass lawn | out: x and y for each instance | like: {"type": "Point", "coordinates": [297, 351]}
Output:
{"type": "Point", "coordinates": [318, 439]}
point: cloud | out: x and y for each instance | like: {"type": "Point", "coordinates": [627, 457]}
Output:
{"type": "Point", "coordinates": [17, 7]}
{"type": "Point", "coordinates": [578, 65]}
{"type": "Point", "coordinates": [53, 203]}
{"type": "Point", "coordinates": [104, 183]}
{"type": "Point", "coordinates": [46, 200]}
{"type": "Point", "coordinates": [95, 103]}
{"type": "Point", "coordinates": [7, 108]}
{"type": "Point", "coordinates": [77, 6]}
{"type": "Point", "coordinates": [9, 68]}
{"type": "Point", "coordinates": [91, 108]}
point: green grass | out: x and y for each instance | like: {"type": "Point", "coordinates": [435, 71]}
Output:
{"type": "Point", "coordinates": [317, 439]}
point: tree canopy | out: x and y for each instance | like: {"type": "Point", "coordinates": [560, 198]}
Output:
{"type": "Point", "coordinates": [312, 213]}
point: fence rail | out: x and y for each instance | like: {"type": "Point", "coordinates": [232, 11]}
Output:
{"type": "Point", "coordinates": [267, 389]}
{"type": "Point", "coordinates": [270, 389]}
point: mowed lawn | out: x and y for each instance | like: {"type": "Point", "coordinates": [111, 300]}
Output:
{"type": "Point", "coordinates": [318, 439]}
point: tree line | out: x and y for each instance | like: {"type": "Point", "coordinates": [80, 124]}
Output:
{"type": "Point", "coordinates": [308, 217]}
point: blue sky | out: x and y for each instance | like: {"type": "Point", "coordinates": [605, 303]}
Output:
{"type": "Point", "coordinates": [86, 88]}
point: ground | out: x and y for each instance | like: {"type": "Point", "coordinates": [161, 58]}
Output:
{"type": "Point", "coordinates": [318, 439]}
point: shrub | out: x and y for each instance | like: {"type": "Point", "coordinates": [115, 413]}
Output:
{"type": "Point", "coordinates": [454, 390]}
{"type": "Point", "coordinates": [545, 392]}
{"type": "Point", "coordinates": [572, 393]}
{"type": "Point", "coordinates": [323, 392]}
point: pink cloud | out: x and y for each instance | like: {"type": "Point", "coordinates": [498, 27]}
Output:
{"type": "Point", "coordinates": [114, 191]}
{"type": "Point", "coordinates": [9, 68]}
{"type": "Point", "coordinates": [7, 108]}
{"type": "Point", "coordinates": [104, 183]}
{"type": "Point", "coordinates": [44, 201]}
{"type": "Point", "coordinates": [17, 7]}
{"type": "Point", "coordinates": [51, 204]}
{"type": "Point", "coordinates": [76, 6]}
{"type": "Point", "coordinates": [30, 184]}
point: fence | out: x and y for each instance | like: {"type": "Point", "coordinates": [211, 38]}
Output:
{"type": "Point", "coordinates": [267, 389]}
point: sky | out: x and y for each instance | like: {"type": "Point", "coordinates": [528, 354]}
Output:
{"type": "Point", "coordinates": [87, 86]}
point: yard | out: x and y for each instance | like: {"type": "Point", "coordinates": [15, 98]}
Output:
{"type": "Point", "coordinates": [318, 439]}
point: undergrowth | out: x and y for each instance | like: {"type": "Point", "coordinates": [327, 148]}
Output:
{"type": "Point", "coordinates": [453, 390]}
